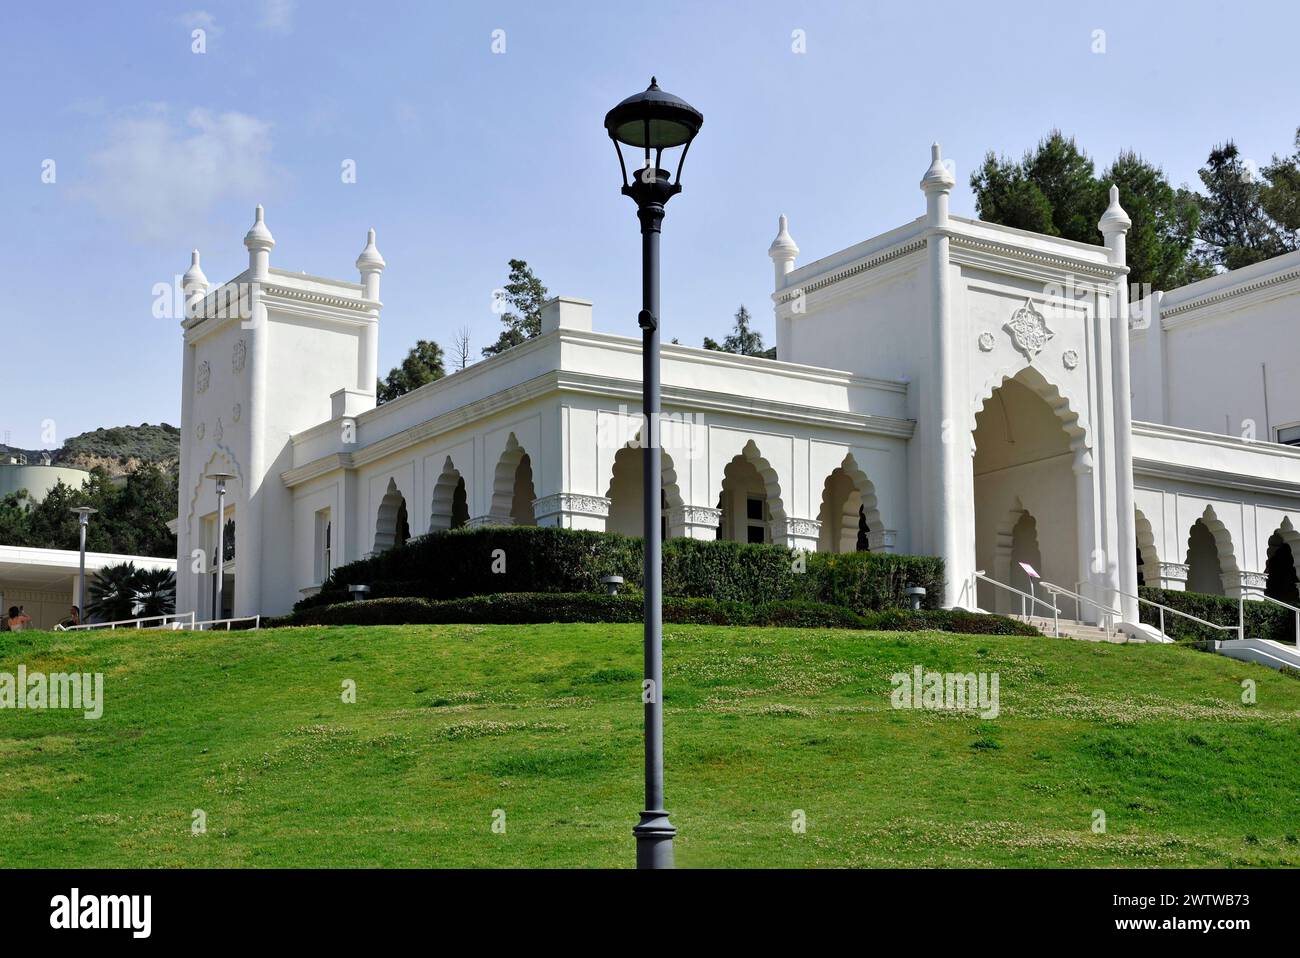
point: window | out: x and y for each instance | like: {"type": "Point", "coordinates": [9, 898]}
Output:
{"type": "Point", "coordinates": [756, 529]}
{"type": "Point", "coordinates": [324, 562]}
{"type": "Point", "coordinates": [1289, 435]}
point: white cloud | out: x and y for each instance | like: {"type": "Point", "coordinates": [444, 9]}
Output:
{"type": "Point", "coordinates": [277, 15]}
{"type": "Point", "coordinates": [159, 177]}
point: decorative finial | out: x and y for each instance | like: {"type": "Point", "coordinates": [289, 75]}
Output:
{"type": "Point", "coordinates": [937, 177]}
{"type": "Point", "coordinates": [783, 247]}
{"type": "Point", "coordinates": [1114, 220]}
{"type": "Point", "coordinates": [654, 84]}
{"type": "Point", "coordinates": [259, 237]}
{"type": "Point", "coordinates": [194, 275]}
{"type": "Point", "coordinates": [370, 258]}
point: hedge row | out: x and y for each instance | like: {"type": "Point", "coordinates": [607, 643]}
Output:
{"type": "Point", "coordinates": [489, 560]}
{"type": "Point", "coordinates": [516, 608]}
{"type": "Point", "coordinates": [1262, 619]}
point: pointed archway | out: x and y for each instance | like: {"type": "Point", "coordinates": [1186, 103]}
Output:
{"type": "Point", "coordinates": [750, 498]}
{"type": "Point", "coordinates": [392, 527]}
{"type": "Point", "coordinates": [1027, 447]}
{"type": "Point", "coordinates": [849, 513]}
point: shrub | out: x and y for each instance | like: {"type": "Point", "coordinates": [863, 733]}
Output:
{"type": "Point", "coordinates": [517, 608]}
{"type": "Point", "coordinates": [1262, 620]}
{"type": "Point", "coordinates": [458, 564]}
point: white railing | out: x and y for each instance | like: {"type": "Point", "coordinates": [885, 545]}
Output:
{"type": "Point", "coordinates": [1032, 599]}
{"type": "Point", "coordinates": [1108, 614]}
{"type": "Point", "coordinates": [171, 620]}
{"type": "Point", "coordinates": [1185, 615]}
{"type": "Point", "coordinates": [1241, 609]}
{"type": "Point", "coordinates": [208, 625]}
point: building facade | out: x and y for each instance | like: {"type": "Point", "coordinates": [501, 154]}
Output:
{"type": "Point", "coordinates": [951, 387]}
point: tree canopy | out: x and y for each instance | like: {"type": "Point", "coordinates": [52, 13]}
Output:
{"type": "Point", "coordinates": [521, 298]}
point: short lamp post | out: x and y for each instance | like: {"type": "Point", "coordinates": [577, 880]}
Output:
{"type": "Point", "coordinates": [83, 514]}
{"type": "Point", "coordinates": [220, 478]}
{"type": "Point", "coordinates": [652, 121]}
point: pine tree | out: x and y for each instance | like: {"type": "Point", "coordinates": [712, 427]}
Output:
{"type": "Point", "coordinates": [422, 365]}
{"type": "Point", "coordinates": [743, 340]}
{"type": "Point", "coordinates": [524, 295]}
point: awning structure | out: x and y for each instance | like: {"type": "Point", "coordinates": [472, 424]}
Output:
{"type": "Point", "coordinates": [44, 581]}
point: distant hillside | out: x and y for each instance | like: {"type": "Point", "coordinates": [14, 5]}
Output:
{"type": "Point", "coordinates": [119, 449]}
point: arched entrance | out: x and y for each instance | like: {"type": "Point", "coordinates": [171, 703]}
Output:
{"type": "Point", "coordinates": [1211, 561]}
{"type": "Point", "coordinates": [512, 486]}
{"type": "Point", "coordinates": [450, 506]}
{"type": "Point", "coordinates": [1026, 491]}
{"type": "Point", "coordinates": [750, 499]}
{"type": "Point", "coordinates": [626, 508]}
{"type": "Point", "coordinates": [391, 525]}
{"type": "Point", "coordinates": [1282, 584]}
{"type": "Point", "coordinates": [849, 512]}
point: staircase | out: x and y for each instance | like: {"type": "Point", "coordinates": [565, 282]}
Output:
{"type": "Point", "coordinates": [1072, 629]}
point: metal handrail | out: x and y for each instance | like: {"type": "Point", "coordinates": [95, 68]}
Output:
{"type": "Point", "coordinates": [1186, 615]}
{"type": "Point", "coordinates": [162, 621]}
{"type": "Point", "coordinates": [1106, 611]}
{"type": "Point", "coordinates": [202, 624]}
{"type": "Point", "coordinates": [1241, 609]}
{"type": "Point", "coordinates": [1056, 615]}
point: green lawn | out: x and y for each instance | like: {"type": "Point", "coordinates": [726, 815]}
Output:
{"type": "Point", "coordinates": [544, 723]}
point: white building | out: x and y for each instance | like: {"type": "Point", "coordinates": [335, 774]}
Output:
{"type": "Point", "coordinates": [950, 387]}
{"type": "Point", "coordinates": [46, 583]}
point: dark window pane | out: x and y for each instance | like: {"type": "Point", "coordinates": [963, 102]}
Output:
{"type": "Point", "coordinates": [756, 535]}
{"type": "Point", "coordinates": [754, 509]}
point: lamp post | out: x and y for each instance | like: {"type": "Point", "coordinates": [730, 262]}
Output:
{"type": "Point", "coordinates": [220, 478]}
{"type": "Point", "coordinates": [652, 121]}
{"type": "Point", "coordinates": [83, 514]}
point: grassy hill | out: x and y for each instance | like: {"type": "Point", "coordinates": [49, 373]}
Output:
{"type": "Point", "coordinates": [544, 722]}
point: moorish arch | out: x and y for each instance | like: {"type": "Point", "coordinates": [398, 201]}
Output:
{"type": "Point", "coordinates": [1283, 583]}
{"type": "Point", "coordinates": [850, 512]}
{"type": "Point", "coordinates": [1211, 560]}
{"type": "Point", "coordinates": [449, 508]}
{"type": "Point", "coordinates": [750, 499]}
{"type": "Point", "coordinates": [1016, 545]}
{"type": "Point", "coordinates": [626, 482]}
{"type": "Point", "coordinates": [513, 491]}
{"type": "Point", "coordinates": [392, 527]}
{"type": "Point", "coordinates": [1148, 559]}
{"type": "Point", "coordinates": [1028, 460]}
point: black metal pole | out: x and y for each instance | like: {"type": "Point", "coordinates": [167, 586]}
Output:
{"type": "Point", "coordinates": [654, 833]}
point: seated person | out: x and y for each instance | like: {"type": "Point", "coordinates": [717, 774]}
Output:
{"type": "Point", "coordinates": [17, 620]}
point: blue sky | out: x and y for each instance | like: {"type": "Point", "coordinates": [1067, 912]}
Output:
{"type": "Point", "coordinates": [466, 158]}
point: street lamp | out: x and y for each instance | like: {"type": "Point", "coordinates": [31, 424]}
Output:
{"type": "Point", "coordinates": [83, 514]}
{"type": "Point", "coordinates": [652, 121]}
{"type": "Point", "coordinates": [220, 478]}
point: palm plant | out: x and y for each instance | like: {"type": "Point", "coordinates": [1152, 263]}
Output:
{"type": "Point", "coordinates": [155, 591]}
{"type": "Point", "coordinates": [112, 592]}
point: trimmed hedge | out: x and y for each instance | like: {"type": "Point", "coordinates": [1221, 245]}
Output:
{"type": "Point", "coordinates": [518, 608]}
{"type": "Point", "coordinates": [460, 563]}
{"type": "Point", "coordinates": [1263, 620]}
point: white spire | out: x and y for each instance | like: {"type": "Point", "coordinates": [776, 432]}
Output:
{"type": "Point", "coordinates": [937, 178]}
{"type": "Point", "coordinates": [1114, 220]}
{"type": "Point", "coordinates": [783, 247]}
{"type": "Point", "coordinates": [370, 258]}
{"type": "Point", "coordinates": [259, 237]}
{"type": "Point", "coordinates": [194, 278]}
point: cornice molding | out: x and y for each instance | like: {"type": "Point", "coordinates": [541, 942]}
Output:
{"type": "Point", "coordinates": [1245, 292]}
{"type": "Point", "coordinates": [980, 251]}
{"type": "Point", "coordinates": [842, 273]}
